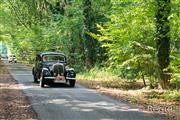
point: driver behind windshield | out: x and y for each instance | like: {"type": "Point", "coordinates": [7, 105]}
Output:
{"type": "Point", "coordinates": [53, 58]}
{"type": "Point", "coordinates": [45, 58]}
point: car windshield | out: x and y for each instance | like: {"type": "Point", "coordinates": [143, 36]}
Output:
{"type": "Point", "coordinates": [49, 58]}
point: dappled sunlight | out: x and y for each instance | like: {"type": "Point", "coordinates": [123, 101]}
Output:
{"type": "Point", "coordinates": [22, 86]}
{"type": "Point", "coordinates": [58, 101]}
{"type": "Point", "coordinates": [86, 110]}
{"type": "Point", "coordinates": [61, 101]}
{"type": "Point", "coordinates": [91, 59]}
{"type": "Point", "coordinates": [106, 119]}
{"type": "Point", "coordinates": [88, 106]}
{"type": "Point", "coordinates": [9, 86]}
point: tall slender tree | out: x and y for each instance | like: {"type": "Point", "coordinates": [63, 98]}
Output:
{"type": "Point", "coordinates": [90, 43]}
{"type": "Point", "coordinates": [163, 38]}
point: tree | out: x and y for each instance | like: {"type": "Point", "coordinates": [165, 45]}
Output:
{"type": "Point", "coordinates": [163, 39]}
{"type": "Point", "coordinates": [89, 31]}
{"type": "Point", "coordinates": [90, 43]}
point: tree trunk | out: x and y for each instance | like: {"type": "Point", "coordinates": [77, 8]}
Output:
{"type": "Point", "coordinates": [89, 42]}
{"type": "Point", "coordinates": [163, 38]}
{"type": "Point", "coordinates": [144, 81]}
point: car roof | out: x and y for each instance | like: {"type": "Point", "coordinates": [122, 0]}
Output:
{"type": "Point", "coordinates": [50, 53]}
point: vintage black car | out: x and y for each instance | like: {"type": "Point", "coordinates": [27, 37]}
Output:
{"type": "Point", "coordinates": [52, 67]}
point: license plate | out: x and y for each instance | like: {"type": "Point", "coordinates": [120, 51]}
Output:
{"type": "Point", "coordinates": [59, 78]}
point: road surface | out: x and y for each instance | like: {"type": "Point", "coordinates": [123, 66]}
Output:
{"type": "Point", "coordinates": [64, 103]}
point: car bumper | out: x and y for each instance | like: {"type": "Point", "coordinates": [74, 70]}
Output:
{"type": "Point", "coordinates": [54, 78]}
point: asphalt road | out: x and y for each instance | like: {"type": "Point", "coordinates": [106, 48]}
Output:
{"type": "Point", "coordinates": [61, 102]}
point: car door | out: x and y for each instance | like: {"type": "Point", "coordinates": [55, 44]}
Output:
{"type": "Point", "coordinates": [38, 66]}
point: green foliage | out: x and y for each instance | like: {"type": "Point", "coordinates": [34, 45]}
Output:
{"type": "Point", "coordinates": [118, 35]}
{"type": "Point", "coordinates": [128, 36]}
{"type": "Point", "coordinates": [153, 95]}
{"type": "Point", "coordinates": [97, 73]}
{"type": "Point", "coordinates": [175, 69]}
{"type": "Point", "coordinates": [175, 81]}
{"type": "Point", "coordinates": [40, 30]}
{"type": "Point", "coordinates": [172, 95]}
{"type": "Point", "coordinates": [174, 20]}
{"type": "Point", "coordinates": [133, 99]}
{"type": "Point", "coordinates": [38, 25]}
{"type": "Point", "coordinates": [166, 95]}
{"type": "Point", "coordinates": [105, 78]}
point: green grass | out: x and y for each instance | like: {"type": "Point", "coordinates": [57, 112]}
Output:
{"type": "Point", "coordinates": [133, 99]}
{"type": "Point", "coordinates": [104, 78]}
{"type": "Point", "coordinates": [97, 74]}
{"type": "Point", "coordinates": [96, 78]}
{"type": "Point", "coordinates": [170, 95]}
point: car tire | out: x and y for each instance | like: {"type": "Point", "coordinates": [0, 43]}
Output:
{"type": "Point", "coordinates": [35, 79]}
{"type": "Point", "coordinates": [42, 82]}
{"type": "Point", "coordinates": [34, 76]}
{"type": "Point", "coordinates": [72, 83]}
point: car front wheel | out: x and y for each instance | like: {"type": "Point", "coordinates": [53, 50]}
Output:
{"type": "Point", "coordinates": [35, 79]}
{"type": "Point", "coordinates": [34, 76]}
{"type": "Point", "coordinates": [42, 82]}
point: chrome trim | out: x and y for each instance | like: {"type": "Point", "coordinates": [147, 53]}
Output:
{"type": "Point", "coordinates": [55, 77]}
{"type": "Point", "coordinates": [70, 78]}
{"type": "Point", "coordinates": [45, 69]}
{"type": "Point", "coordinates": [49, 77]}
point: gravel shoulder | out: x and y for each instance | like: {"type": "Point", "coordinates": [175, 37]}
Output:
{"type": "Point", "coordinates": [13, 102]}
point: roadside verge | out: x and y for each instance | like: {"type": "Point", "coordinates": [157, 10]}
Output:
{"type": "Point", "coordinates": [13, 103]}
{"type": "Point", "coordinates": [149, 101]}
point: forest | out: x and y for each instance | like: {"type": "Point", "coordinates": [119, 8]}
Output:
{"type": "Point", "coordinates": [129, 39]}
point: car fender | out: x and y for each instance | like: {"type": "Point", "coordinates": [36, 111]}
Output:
{"type": "Point", "coordinates": [71, 73]}
{"type": "Point", "coordinates": [46, 72]}
{"type": "Point", "coordinates": [33, 71]}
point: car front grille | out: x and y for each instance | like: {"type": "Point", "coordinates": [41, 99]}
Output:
{"type": "Point", "coordinates": [58, 68]}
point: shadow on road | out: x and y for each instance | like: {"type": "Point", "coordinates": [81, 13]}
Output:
{"type": "Point", "coordinates": [56, 85]}
{"type": "Point", "coordinates": [61, 101]}
{"type": "Point", "coordinates": [60, 85]}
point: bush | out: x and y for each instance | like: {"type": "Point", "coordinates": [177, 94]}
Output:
{"type": "Point", "coordinates": [175, 82]}
{"type": "Point", "coordinates": [153, 94]}
{"type": "Point", "coordinates": [106, 78]}
{"type": "Point", "coordinates": [171, 95]}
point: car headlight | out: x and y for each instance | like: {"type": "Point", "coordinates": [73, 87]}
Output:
{"type": "Point", "coordinates": [45, 71]}
{"type": "Point", "coordinates": [71, 74]}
